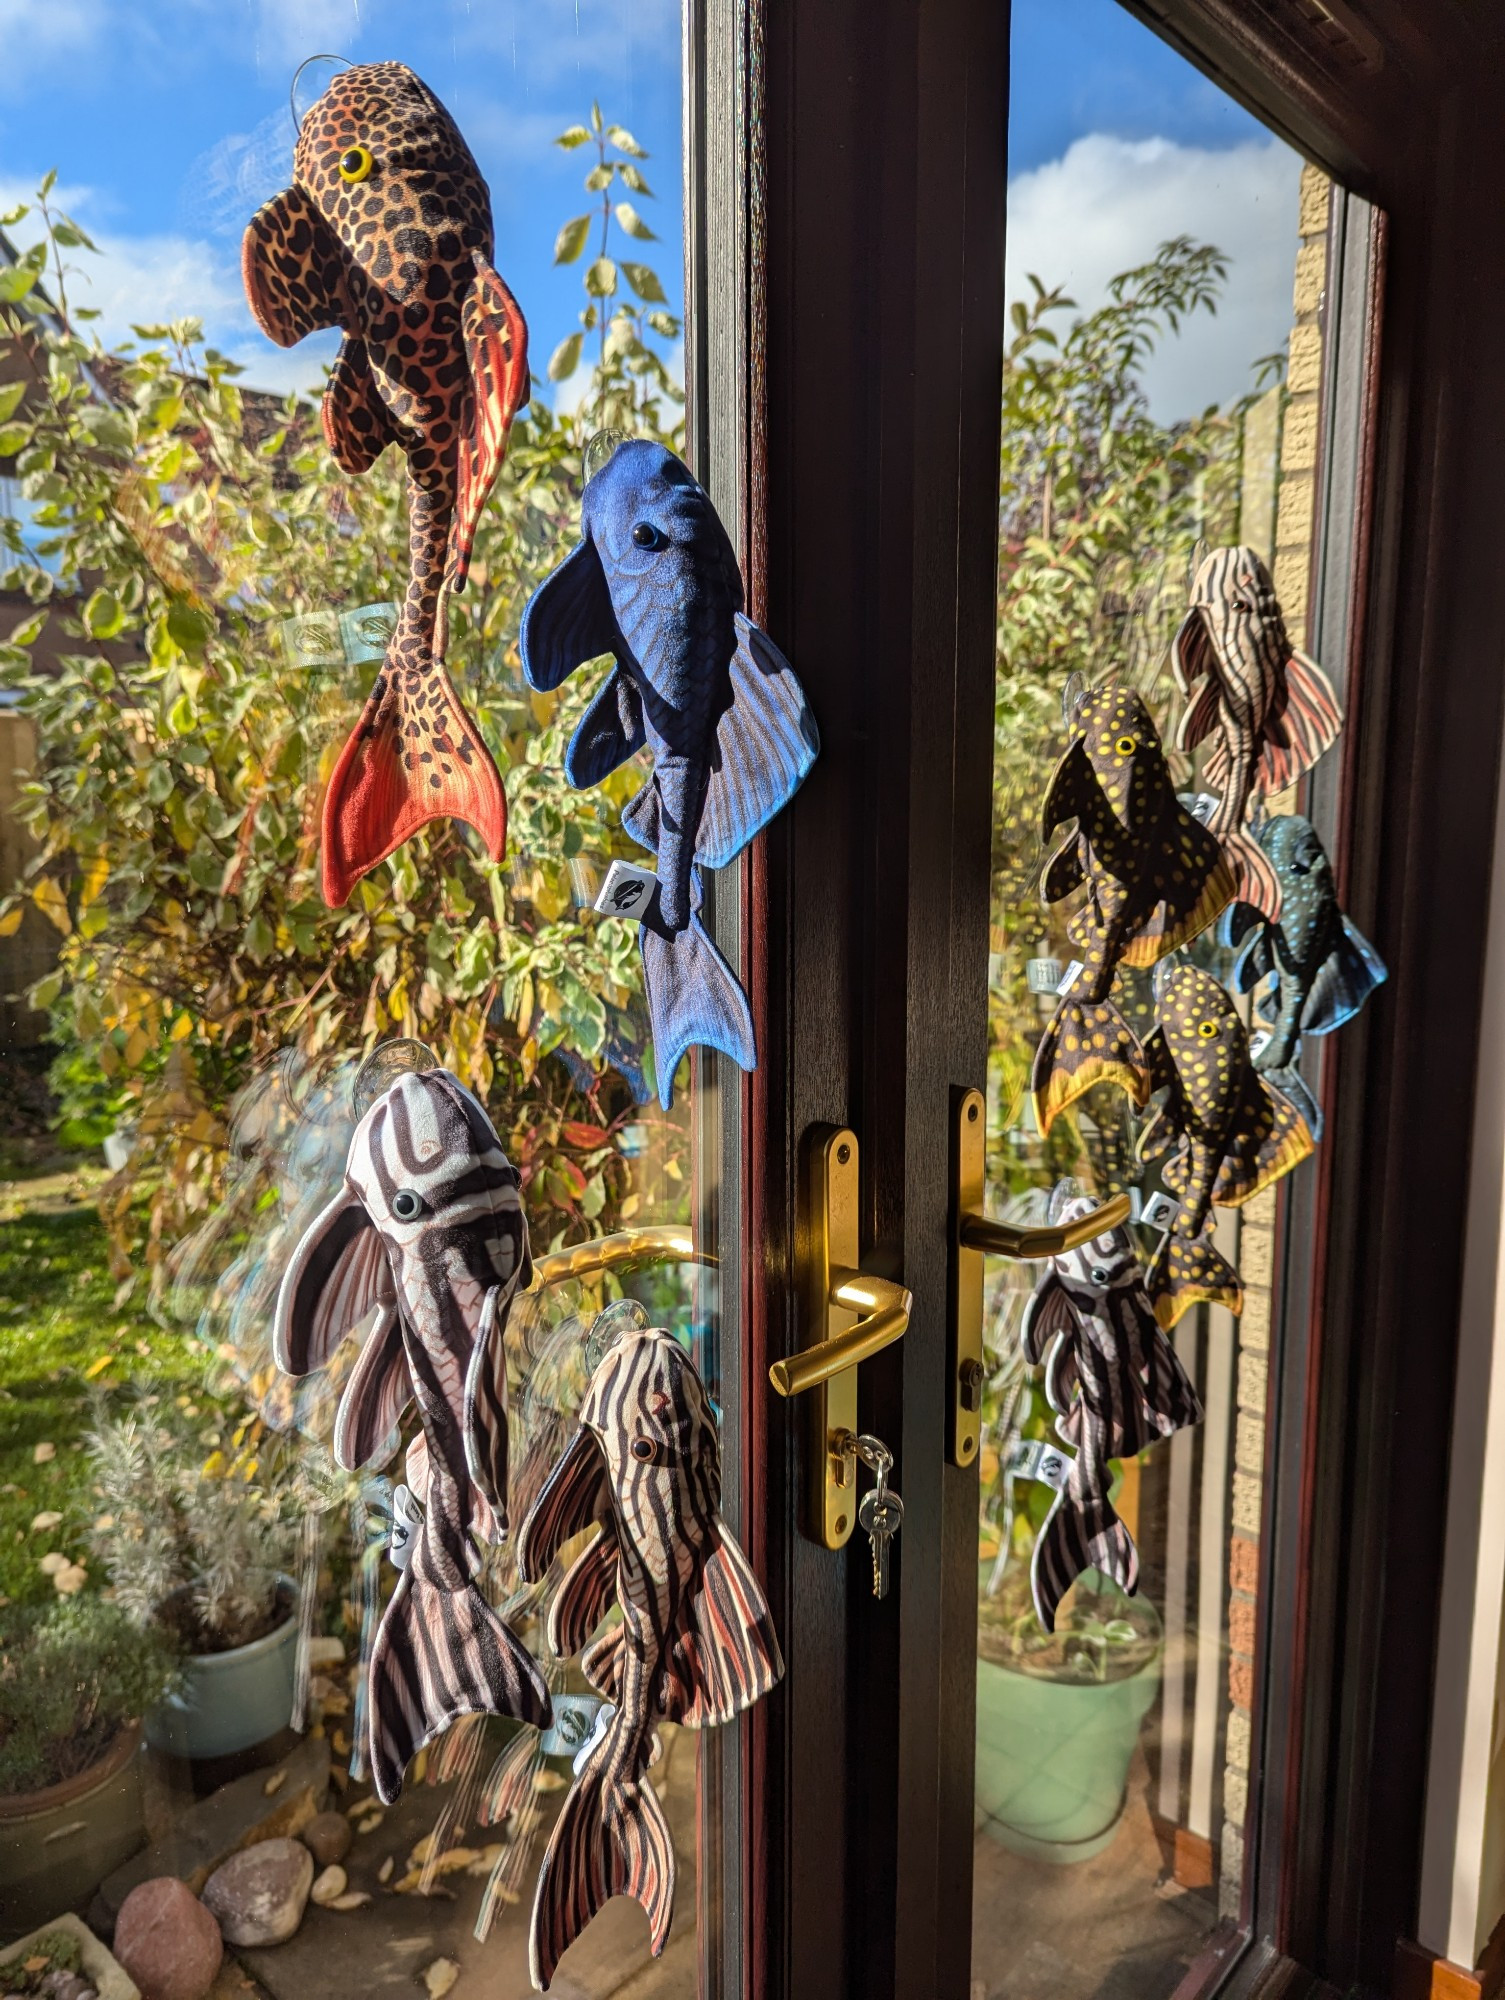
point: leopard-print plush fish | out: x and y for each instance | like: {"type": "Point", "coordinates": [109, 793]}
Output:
{"type": "Point", "coordinates": [1154, 878]}
{"type": "Point", "coordinates": [1270, 709]}
{"type": "Point", "coordinates": [1227, 1135]}
{"type": "Point", "coordinates": [386, 233]}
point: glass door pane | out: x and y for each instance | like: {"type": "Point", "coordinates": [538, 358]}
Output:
{"type": "Point", "coordinates": [194, 1057]}
{"type": "Point", "coordinates": [1162, 420]}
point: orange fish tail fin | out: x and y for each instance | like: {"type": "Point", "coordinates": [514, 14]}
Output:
{"type": "Point", "coordinates": [414, 755]}
{"type": "Point", "coordinates": [1256, 881]}
{"type": "Point", "coordinates": [1086, 1043]}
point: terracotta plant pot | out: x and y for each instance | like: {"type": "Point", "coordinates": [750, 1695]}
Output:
{"type": "Point", "coordinates": [230, 1701]}
{"type": "Point", "coordinates": [58, 1845]}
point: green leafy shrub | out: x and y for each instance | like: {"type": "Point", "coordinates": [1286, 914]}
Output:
{"type": "Point", "coordinates": [72, 1677]}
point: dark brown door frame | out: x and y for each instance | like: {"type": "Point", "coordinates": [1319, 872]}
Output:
{"type": "Point", "coordinates": [849, 169]}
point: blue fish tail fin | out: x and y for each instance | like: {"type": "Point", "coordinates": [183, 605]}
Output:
{"type": "Point", "coordinates": [765, 744]}
{"type": "Point", "coordinates": [694, 997]}
{"type": "Point", "coordinates": [1292, 1085]}
{"type": "Point", "coordinates": [1079, 1533]}
{"type": "Point", "coordinates": [602, 1846]}
{"type": "Point", "coordinates": [1345, 981]}
{"type": "Point", "coordinates": [1183, 1271]}
{"type": "Point", "coordinates": [467, 1662]}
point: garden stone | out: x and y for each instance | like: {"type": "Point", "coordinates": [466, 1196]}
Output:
{"type": "Point", "coordinates": [259, 1894]}
{"type": "Point", "coordinates": [167, 1941]}
{"type": "Point", "coordinates": [327, 1837]}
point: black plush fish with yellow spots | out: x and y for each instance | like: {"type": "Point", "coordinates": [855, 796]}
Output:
{"type": "Point", "coordinates": [1154, 878]}
{"type": "Point", "coordinates": [1322, 969]}
{"type": "Point", "coordinates": [1221, 1135]}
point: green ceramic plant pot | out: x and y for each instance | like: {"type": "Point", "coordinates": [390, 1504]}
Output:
{"type": "Point", "coordinates": [58, 1845]}
{"type": "Point", "coordinates": [230, 1701]}
{"type": "Point", "coordinates": [1053, 1758]}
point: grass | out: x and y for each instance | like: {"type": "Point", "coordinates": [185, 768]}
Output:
{"type": "Point", "coordinates": [63, 1342]}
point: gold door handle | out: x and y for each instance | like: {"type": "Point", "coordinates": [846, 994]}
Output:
{"type": "Point", "coordinates": [974, 1237]}
{"type": "Point", "coordinates": [665, 1243]}
{"type": "Point", "coordinates": [885, 1307]}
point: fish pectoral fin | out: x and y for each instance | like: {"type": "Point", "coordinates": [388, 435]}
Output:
{"type": "Point", "coordinates": [1344, 981]}
{"type": "Point", "coordinates": [509, 1783]}
{"type": "Point", "coordinates": [1255, 880]}
{"type": "Point", "coordinates": [1256, 959]}
{"type": "Point", "coordinates": [485, 1404]}
{"type": "Point", "coordinates": [414, 755]}
{"type": "Point", "coordinates": [378, 1391]}
{"type": "Point", "coordinates": [1301, 729]}
{"type": "Point", "coordinates": [337, 1273]}
{"type": "Point", "coordinates": [495, 335]}
{"type": "Point", "coordinates": [1070, 791]}
{"type": "Point", "coordinates": [293, 268]}
{"type": "Point", "coordinates": [727, 1655]}
{"type": "Point", "coordinates": [610, 731]}
{"type": "Point", "coordinates": [1191, 652]}
{"type": "Point", "coordinates": [1085, 1043]}
{"type": "Point", "coordinates": [766, 742]}
{"type": "Point", "coordinates": [568, 620]}
{"type": "Point", "coordinates": [1066, 872]}
{"type": "Point", "coordinates": [572, 1498]}
{"type": "Point", "coordinates": [601, 1662]}
{"type": "Point", "coordinates": [585, 1596]}
{"type": "Point", "coordinates": [601, 1847]}
{"type": "Point", "coordinates": [1048, 1313]}
{"type": "Point", "coordinates": [1200, 716]}
{"type": "Point", "coordinates": [358, 426]}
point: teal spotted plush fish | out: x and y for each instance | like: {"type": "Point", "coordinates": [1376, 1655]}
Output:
{"type": "Point", "coordinates": [1320, 968]}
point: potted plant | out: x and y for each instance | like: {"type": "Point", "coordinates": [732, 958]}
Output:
{"type": "Point", "coordinates": [75, 1681]}
{"type": "Point", "coordinates": [1058, 1714]}
{"type": "Point", "coordinates": [200, 1551]}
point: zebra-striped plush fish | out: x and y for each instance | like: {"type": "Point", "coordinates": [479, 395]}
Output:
{"type": "Point", "coordinates": [654, 582]}
{"type": "Point", "coordinates": [1272, 710]}
{"type": "Point", "coordinates": [1116, 1385]}
{"type": "Point", "coordinates": [428, 1229]}
{"type": "Point", "coordinates": [695, 1644]}
{"type": "Point", "coordinates": [1221, 1133]}
{"type": "Point", "coordinates": [1154, 878]}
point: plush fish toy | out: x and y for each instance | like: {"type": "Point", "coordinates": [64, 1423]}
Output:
{"type": "Point", "coordinates": [1322, 969]}
{"type": "Point", "coordinates": [1270, 710]}
{"type": "Point", "coordinates": [695, 1643]}
{"type": "Point", "coordinates": [386, 234]}
{"type": "Point", "coordinates": [1220, 1134]}
{"type": "Point", "coordinates": [428, 1230]}
{"type": "Point", "coordinates": [1154, 878]}
{"type": "Point", "coordinates": [1116, 1385]}
{"type": "Point", "coordinates": [654, 582]}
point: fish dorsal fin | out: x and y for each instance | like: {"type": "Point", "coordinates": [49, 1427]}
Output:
{"type": "Point", "coordinates": [338, 1272]}
{"type": "Point", "coordinates": [585, 1596]}
{"type": "Point", "coordinates": [1070, 792]}
{"type": "Point", "coordinates": [358, 426]}
{"type": "Point", "coordinates": [610, 731]}
{"type": "Point", "coordinates": [568, 620]}
{"type": "Point", "coordinates": [1048, 1313]}
{"type": "Point", "coordinates": [496, 348]}
{"type": "Point", "coordinates": [572, 1498]}
{"type": "Point", "coordinates": [766, 742]}
{"type": "Point", "coordinates": [292, 268]}
{"type": "Point", "coordinates": [1344, 982]}
{"type": "Point", "coordinates": [377, 1393]}
{"type": "Point", "coordinates": [1269, 1137]}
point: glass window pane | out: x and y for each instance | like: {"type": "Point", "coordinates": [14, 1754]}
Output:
{"type": "Point", "coordinates": [1166, 261]}
{"type": "Point", "coordinates": [198, 595]}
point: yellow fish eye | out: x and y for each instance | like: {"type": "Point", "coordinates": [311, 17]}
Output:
{"type": "Point", "coordinates": [1207, 1029]}
{"type": "Point", "coordinates": [1126, 746]}
{"type": "Point", "coordinates": [355, 163]}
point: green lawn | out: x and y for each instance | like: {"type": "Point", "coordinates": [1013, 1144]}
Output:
{"type": "Point", "coordinates": [60, 1332]}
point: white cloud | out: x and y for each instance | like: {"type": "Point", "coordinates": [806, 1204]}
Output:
{"type": "Point", "coordinates": [33, 35]}
{"type": "Point", "coordinates": [289, 30]}
{"type": "Point", "coordinates": [1108, 204]}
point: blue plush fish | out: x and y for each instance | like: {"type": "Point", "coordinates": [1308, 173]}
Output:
{"type": "Point", "coordinates": [1322, 968]}
{"type": "Point", "coordinates": [654, 582]}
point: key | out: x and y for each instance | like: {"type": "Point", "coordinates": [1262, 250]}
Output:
{"type": "Point", "coordinates": [881, 1513]}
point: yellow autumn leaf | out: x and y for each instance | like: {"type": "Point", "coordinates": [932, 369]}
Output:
{"type": "Point", "coordinates": [97, 1368]}
{"type": "Point", "coordinates": [10, 923]}
{"type": "Point", "coordinates": [182, 1028]}
{"type": "Point", "coordinates": [53, 904]}
{"type": "Point", "coordinates": [94, 881]}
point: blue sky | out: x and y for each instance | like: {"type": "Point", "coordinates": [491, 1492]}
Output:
{"type": "Point", "coordinates": [167, 121]}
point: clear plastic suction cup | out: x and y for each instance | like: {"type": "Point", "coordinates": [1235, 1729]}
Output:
{"type": "Point", "coordinates": [381, 1069]}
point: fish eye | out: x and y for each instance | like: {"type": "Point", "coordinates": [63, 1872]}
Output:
{"type": "Point", "coordinates": [355, 163]}
{"type": "Point", "coordinates": [1242, 604]}
{"type": "Point", "coordinates": [406, 1205]}
{"type": "Point", "coordinates": [644, 1450]}
{"type": "Point", "coordinates": [1098, 1275]}
{"type": "Point", "coordinates": [1207, 1029]}
{"type": "Point", "coordinates": [647, 536]}
{"type": "Point", "coordinates": [1126, 746]}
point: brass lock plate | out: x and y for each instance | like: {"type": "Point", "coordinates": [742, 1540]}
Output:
{"type": "Point", "coordinates": [830, 1408]}
{"type": "Point", "coordinates": [966, 1364]}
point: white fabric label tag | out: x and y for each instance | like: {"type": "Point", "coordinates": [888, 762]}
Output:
{"type": "Point", "coordinates": [1034, 1458]}
{"type": "Point", "coordinates": [1070, 977]}
{"type": "Point", "coordinates": [1160, 1211]}
{"type": "Point", "coordinates": [627, 890]}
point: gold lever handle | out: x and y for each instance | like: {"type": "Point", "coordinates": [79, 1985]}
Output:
{"type": "Point", "coordinates": [885, 1307]}
{"type": "Point", "coordinates": [667, 1243]}
{"type": "Point", "coordinates": [1003, 1239]}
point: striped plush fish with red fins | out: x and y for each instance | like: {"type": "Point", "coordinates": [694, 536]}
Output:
{"type": "Point", "coordinates": [386, 233]}
{"type": "Point", "coordinates": [695, 1644]}
{"type": "Point", "coordinates": [1116, 1385]}
{"type": "Point", "coordinates": [1271, 711]}
{"type": "Point", "coordinates": [428, 1230]}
